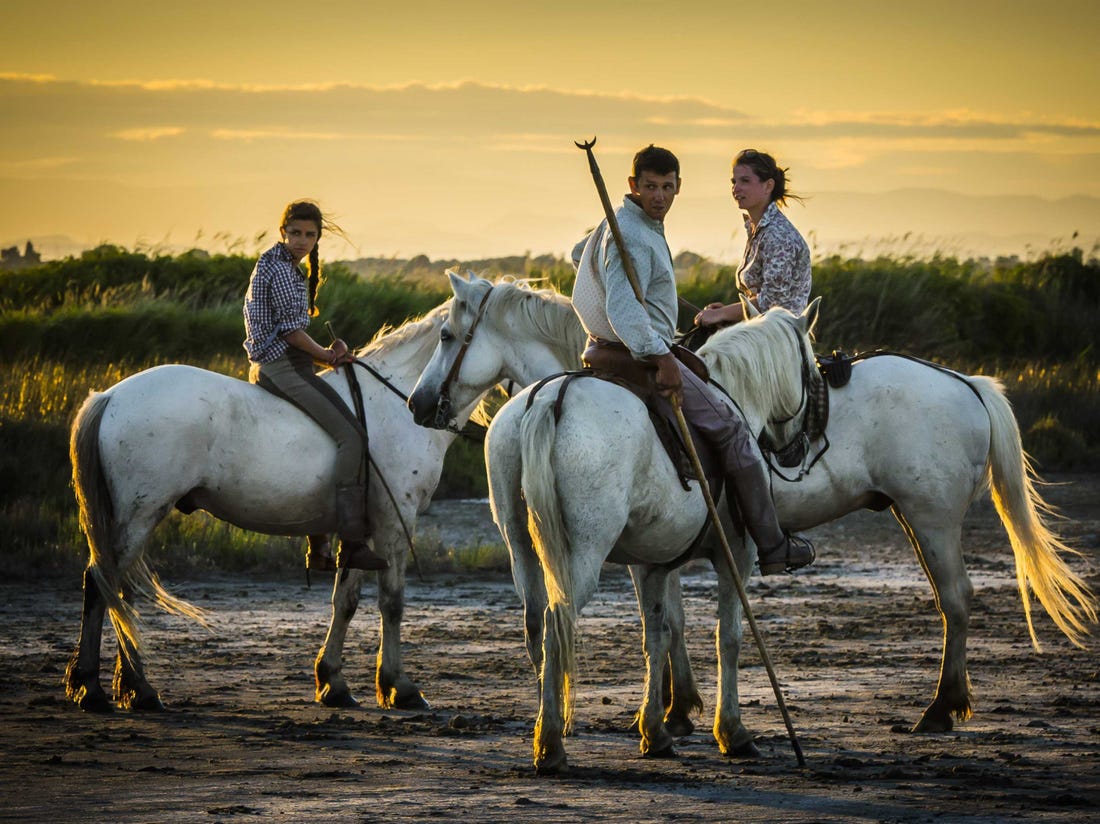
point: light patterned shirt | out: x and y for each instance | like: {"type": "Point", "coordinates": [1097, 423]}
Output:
{"type": "Point", "coordinates": [776, 268]}
{"type": "Point", "coordinates": [277, 303]}
{"type": "Point", "coordinates": [603, 297]}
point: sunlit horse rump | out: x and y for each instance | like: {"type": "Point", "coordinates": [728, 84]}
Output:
{"type": "Point", "coordinates": [925, 442]}
{"type": "Point", "coordinates": [177, 435]}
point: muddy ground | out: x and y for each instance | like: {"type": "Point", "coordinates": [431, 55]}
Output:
{"type": "Point", "coordinates": [855, 641]}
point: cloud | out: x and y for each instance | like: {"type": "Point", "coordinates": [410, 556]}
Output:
{"type": "Point", "coordinates": [249, 135]}
{"type": "Point", "coordinates": [142, 135]}
{"type": "Point", "coordinates": [420, 167]}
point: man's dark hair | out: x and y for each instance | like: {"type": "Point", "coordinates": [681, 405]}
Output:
{"type": "Point", "coordinates": [656, 160]}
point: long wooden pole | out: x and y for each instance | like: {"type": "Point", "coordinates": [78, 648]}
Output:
{"type": "Point", "coordinates": [689, 444]}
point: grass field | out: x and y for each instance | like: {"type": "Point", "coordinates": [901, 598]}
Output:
{"type": "Point", "coordinates": [70, 327]}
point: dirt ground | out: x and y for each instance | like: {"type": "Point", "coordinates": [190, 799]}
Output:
{"type": "Point", "coordinates": [855, 641]}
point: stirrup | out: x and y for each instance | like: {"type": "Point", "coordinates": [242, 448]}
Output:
{"type": "Point", "coordinates": [319, 556]}
{"type": "Point", "coordinates": [358, 555]}
{"type": "Point", "coordinates": [793, 553]}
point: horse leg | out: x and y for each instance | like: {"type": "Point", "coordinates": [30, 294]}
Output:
{"type": "Point", "coordinates": [131, 690]}
{"type": "Point", "coordinates": [733, 739]}
{"type": "Point", "coordinates": [82, 673]}
{"type": "Point", "coordinates": [328, 670]}
{"type": "Point", "coordinates": [394, 688]}
{"type": "Point", "coordinates": [939, 550]}
{"type": "Point", "coordinates": [652, 586]}
{"type": "Point", "coordinates": [684, 699]}
{"type": "Point", "coordinates": [550, 724]}
{"type": "Point", "coordinates": [680, 693]}
{"type": "Point", "coordinates": [527, 578]}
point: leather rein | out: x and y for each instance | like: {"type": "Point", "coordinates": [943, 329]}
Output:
{"type": "Point", "coordinates": [443, 405]}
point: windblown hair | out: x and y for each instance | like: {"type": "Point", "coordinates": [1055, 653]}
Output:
{"type": "Point", "coordinates": [309, 210]}
{"type": "Point", "coordinates": [764, 167]}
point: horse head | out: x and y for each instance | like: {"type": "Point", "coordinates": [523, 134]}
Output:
{"type": "Point", "coordinates": [507, 331]}
{"type": "Point", "coordinates": [455, 377]}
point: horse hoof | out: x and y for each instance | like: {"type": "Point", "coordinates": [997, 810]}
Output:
{"type": "Point", "coordinates": [412, 701]}
{"type": "Point", "coordinates": [554, 766]}
{"type": "Point", "coordinates": [746, 750]}
{"type": "Point", "coordinates": [667, 751]}
{"type": "Point", "coordinates": [93, 701]}
{"type": "Point", "coordinates": [336, 699]}
{"type": "Point", "coordinates": [679, 727]}
{"type": "Point", "coordinates": [927, 724]}
{"type": "Point", "coordinates": [150, 703]}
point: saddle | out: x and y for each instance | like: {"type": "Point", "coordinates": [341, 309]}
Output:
{"type": "Point", "coordinates": [612, 361]}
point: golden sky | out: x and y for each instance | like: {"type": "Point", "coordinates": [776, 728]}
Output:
{"type": "Point", "coordinates": [446, 128]}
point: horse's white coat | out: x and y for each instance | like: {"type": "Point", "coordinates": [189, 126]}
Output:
{"type": "Point", "coordinates": [177, 432]}
{"type": "Point", "coordinates": [595, 487]}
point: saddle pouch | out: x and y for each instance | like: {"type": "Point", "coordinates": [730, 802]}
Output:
{"type": "Point", "coordinates": [836, 368]}
{"type": "Point", "coordinates": [612, 358]}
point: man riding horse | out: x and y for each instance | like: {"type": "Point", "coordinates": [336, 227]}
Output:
{"type": "Point", "coordinates": [634, 342]}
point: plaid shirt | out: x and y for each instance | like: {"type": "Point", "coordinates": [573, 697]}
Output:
{"type": "Point", "coordinates": [277, 303]}
{"type": "Point", "coordinates": [776, 269]}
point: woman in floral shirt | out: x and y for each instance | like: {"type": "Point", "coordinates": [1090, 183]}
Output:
{"type": "Point", "coordinates": [776, 267]}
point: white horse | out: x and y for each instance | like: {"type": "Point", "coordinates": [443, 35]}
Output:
{"type": "Point", "coordinates": [528, 334]}
{"type": "Point", "coordinates": [593, 486]}
{"type": "Point", "coordinates": [178, 436]}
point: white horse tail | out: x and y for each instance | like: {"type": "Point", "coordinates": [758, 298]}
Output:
{"type": "Point", "coordinates": [1040, 567]}
{"type": "Point", "coordinates": [551, 542]}
{"type": "Point", "coordinates": [97, 521]}
{"type": "Point", "coordinates": [97, 517]}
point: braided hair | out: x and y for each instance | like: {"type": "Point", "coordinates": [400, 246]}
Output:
{"type": "Point", "coordinates": [764, 167]}
{"type": "Point", "coordinates": [309, 210]}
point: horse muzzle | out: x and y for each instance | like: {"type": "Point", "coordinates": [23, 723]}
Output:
{"type": "Point", "coordinates": [433, 412]}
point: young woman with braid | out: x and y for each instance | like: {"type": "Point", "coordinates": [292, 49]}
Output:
{"type": "Point", "coordinates": [277, 310]}
{"type": "Point", "coordinates": [776, 266]}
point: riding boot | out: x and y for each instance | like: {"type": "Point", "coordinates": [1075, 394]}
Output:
{"type": "Point", "coordinates": [351, 517]}
{"type": "Point", "coordinates": [319, 554]}
{"type": "Point", "coordinates": [776, 550]}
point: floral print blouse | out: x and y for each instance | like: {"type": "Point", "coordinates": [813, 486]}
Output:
{"type": "Point", "coordinates": [776, 268]}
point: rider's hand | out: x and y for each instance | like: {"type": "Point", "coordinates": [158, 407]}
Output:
{"type": "Point", "coordinates": [339, 351]}
{"type": "Point", "coordinates": [669, 382]}
{"type": "Point", "coordinates": [713, 314]}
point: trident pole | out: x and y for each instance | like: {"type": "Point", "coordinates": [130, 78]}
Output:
{"type": "Point", "coordinates": [689, 444]}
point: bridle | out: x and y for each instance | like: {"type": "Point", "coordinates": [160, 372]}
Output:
{"type": "Point", "coordinates": [814, 409]}
{"type": "Point", "coordinates": [443, 417]}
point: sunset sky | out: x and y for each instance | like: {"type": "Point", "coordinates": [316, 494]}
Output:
{"type": "Point", "coordinates": [447, 128]}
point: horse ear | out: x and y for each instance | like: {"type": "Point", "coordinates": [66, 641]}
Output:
{"type": "Point", "coordinates": [747, 307]}
{"type": "Point", "coordinates": [457, 283]}
{"type": "Point", "coordinates": [809, 314]}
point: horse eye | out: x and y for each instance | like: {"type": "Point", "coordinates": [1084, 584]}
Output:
{"type": "Point", "coordinates": [445, 334]}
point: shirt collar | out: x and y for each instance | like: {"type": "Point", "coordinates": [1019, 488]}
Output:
{"type": "Point", "coordinates": [284, 254]}
{"type": "Point", "coordinates": [639, 214]}
{"type": "Point", "coordinates": [770, 213]}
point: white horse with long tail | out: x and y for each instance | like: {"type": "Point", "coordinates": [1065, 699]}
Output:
{"type": "Point", "coordinates": [176, 436]}
{"type": "Point", "coordinates": [593, 486]}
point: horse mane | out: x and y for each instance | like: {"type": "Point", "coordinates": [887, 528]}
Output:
{"type": "Point", "coordinates": [423, 331]}
{"type": "Point", "coordinates": [751, 360]}
{"type": "Point", "coordinates": [545, 314]}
